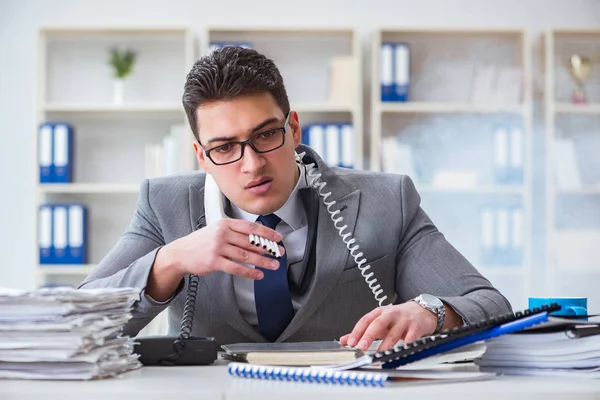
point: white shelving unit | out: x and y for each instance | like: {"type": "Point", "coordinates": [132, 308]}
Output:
{"type": "Point", "coordinates": [75, 86]}
{"type": "Point", "coordinates": [303, 56]}
{"type": "Point", "coordinates": [447, 127]}
{"type": "Point", "coordinates": [573, 169]}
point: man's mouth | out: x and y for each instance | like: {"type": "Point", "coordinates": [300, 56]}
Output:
{"type": "Point", "coordinates": [258, 182]}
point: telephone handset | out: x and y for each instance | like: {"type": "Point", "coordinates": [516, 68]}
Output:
{"type": "Point", "coordinates": [188, 350]}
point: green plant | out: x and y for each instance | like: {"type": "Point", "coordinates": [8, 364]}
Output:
{"type": "Point", "coordinates": [122, 62]}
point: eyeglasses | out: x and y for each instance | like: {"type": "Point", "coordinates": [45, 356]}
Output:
{"type": "Point", "coordinates": [262, 142]}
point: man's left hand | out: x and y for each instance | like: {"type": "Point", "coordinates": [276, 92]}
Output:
{"type": "Point", "coordinates": [408, 322]}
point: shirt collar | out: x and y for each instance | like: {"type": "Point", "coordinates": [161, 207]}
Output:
{"type": "Point", "coordinates": [292, 212]}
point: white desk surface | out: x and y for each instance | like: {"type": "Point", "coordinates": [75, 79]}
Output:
{"type": "Point", "coordinates": [213, 382]}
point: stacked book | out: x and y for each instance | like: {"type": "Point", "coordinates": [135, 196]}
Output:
{"type": "Point", "coordinates": [561, 347]}
{"type": "Point", "coordinates": [65, 333]}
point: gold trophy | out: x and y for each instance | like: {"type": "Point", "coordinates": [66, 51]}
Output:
{"type": "Point", "coordinates": [581, 68]}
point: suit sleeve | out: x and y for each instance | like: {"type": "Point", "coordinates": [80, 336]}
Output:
{"type": "Point", "coordinates": [428, 263]}
{"type": "Point", "coordinates": [130, 261]}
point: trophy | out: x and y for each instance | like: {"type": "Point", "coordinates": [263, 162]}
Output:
{"type": "Point", "coordinates": [580, 67]}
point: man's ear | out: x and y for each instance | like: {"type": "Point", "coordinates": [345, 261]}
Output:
{"type": "Point", "coordinates": [200, 155]}
{"type": "Point", "coordinates": [296, 130]}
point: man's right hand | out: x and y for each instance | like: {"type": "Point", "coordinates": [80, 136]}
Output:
{"type": "Point", "coordinates": [218, 247]}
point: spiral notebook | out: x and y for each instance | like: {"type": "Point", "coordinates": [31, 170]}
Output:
{"type": "Point", "coordinates": [366, 378]}
{"type": "Point", "coordinates": [355, 373]}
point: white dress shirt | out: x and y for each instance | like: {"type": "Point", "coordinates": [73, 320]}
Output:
{"type": "Point", "coordinates": [293, 228]}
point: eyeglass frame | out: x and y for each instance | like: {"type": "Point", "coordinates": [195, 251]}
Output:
{"type": "Point", "coordinates": [249, 143]}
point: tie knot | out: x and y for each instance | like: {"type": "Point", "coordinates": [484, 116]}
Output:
{"type": "Point", "coordinates": [270, 220]}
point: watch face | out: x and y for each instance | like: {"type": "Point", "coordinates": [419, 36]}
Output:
{"type": "Point", "coordinates": [432, 300]}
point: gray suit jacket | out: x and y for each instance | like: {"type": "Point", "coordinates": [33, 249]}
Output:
{"type": "Point", "coordinates": [406, 253]}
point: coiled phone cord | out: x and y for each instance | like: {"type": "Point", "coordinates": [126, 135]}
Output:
{"type": "Point", "coordinates": [347, 238]}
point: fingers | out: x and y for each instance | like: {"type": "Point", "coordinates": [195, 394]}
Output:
{"type": "Point", "coordinates": [241, 241]}
{"type": "Point", "coordinates": [249, 257]}
{"type": "Point", "coordinates": [411, 336]}
{"type": "Point", "coordinates": [361, 326]}
{"type": "Point", "coordinates": [344, 340]}
{"type": "Point", "coordinates": [394, 335]}
{"type": "Point", "coordinates": [247, 227]}
{"type": "Point", "coordinates": [237, 269]}
{"type": "Point", "coordinates": [379, 328]}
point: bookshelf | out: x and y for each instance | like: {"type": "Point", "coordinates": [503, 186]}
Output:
{"type": "Point", "coordinates": [305, 57]}
{"type": "Point", "coordinates": [75, 86]}
{"type": "Point", "coordinates": [446, 131]}
{"type": "Point", "coordinates": [573, 177]}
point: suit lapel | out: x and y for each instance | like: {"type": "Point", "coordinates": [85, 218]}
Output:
{"type": "Point", "coordinates": [331, 254]}
{"type": "Point", "coordinates": [219, 285]}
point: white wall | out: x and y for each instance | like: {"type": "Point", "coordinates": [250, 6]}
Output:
{"type": "Point", "coordinates": [19, 20]}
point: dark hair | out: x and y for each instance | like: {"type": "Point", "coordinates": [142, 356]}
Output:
{"type": "Point", "coordinates": [228, 73]}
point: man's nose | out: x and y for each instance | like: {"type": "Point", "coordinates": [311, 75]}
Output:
{"type": "Point", "coordinates": [251, 160]}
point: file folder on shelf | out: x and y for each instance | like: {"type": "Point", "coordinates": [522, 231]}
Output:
{"type": "Point", "coordinates": [387, 72]}
{"type": "Point", "coordinates": [62, 235]}
{"type": "Point", "coordinates": [401, 72]}
{"type": "Point", "coordinates": [45, 234]}
{"type": "Point", "coordinates": [334, 142]}
{"type": "Point", "coordinates": [501, 155]}
{"type": "Point", "coordinates": [63, 153]}
{"type": "Point", "coordinates": [45, 152]}
{"type": "Point", "coordinates": [219, 45]}
{"type": "Point", "coordinates": [515, 175]}
{"type": "Point", "coordinates": [77, 235]}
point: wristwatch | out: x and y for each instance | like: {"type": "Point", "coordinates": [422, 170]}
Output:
{"type": "Point", "coordinates": [434, 305]}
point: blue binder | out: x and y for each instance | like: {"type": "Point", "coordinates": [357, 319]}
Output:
{"type": "Point", "coordinates": [515, 165]}
{"type": "Point", "coordinates": [313, 135]}
{"type": "Point", "coordinates": [77, 234]}
{"type": "Point", "coordinates": [401, 84]}
{"type": "Point", "coordinates": [219, 45]}
{"type": "Point", "coordinates": [347, 139]}
{"type": "Point", "coordinates": [60, 225]}
{"type": "Point", "coordinates": [45, 152]}
{"type": "Point", "coordinates": [45, 216]}
{"type": "Point", "coordinates": [387, 72]}
{"type": "Point", "coordinates": [62, 153]}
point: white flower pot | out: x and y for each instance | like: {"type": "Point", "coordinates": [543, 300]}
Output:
{"type": "Point", "coordinates": [118, 91]}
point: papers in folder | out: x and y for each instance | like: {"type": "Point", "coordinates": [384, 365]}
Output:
{"type": "Point", "coordinates": [561, 347]}
{"type": "Point", "coordinates": [65, 333]}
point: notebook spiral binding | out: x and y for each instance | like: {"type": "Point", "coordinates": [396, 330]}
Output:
{"type": "Point", "coordinates": [410, 352]}
{"type": "Point", "coordinates": [312, 375]}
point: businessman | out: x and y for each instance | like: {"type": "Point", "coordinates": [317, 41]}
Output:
{"type": "Point", "coordinates": [411, 281]}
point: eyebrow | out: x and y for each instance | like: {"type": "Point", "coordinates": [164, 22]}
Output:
{"type": "Point", "coordinates": [257, 128]}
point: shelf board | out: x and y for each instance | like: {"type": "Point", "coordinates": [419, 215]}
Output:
{"type": "Point", "coordinates": [110, 108]}
{"type": "Point", "coordinates": [432, 107]}
{"type": "Point", "coordinates": [322, 107]}
{"type": "Point", "coordinates": [90, 188]}
{"type": "Point", "coordinates": [106, 30]}
{"type": "Point", "coordinates": [475, 31]}
{"type": "Point", "coordinates": [66, 269]}
{"type": "Point", "coordinates": [567, 108]}
{"type": "Point", "coordinates": [282, 29]}
{"type": "Point", "coordinates": [580, 190]}
{"type": "Point", "coordinates": [483, 189]}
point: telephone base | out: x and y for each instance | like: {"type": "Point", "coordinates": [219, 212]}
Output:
{"type": "Point", "coordinates": [171, 350]}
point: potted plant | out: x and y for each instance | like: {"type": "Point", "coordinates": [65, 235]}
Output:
{"type": "Point", "coordinates": [122, 63]}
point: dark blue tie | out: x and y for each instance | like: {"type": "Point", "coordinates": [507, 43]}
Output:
{"type": "Point", "coordinates": [272, 293]}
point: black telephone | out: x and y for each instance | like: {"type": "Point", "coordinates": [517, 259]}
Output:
{"type": "Point", "coordinates": [188, 350]}
{"type": "Point", "coordinates": [183, 349]}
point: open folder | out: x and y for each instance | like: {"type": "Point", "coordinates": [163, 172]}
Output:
{"type": "Point", "coordinates": [298, 354]}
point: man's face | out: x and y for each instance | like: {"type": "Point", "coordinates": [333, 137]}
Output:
{"type": "Point", "coordinates": [257, 183]}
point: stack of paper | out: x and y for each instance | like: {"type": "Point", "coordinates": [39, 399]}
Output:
{"type": "Point", "coordinates": [560, 348]}
{"type": "Point", "coordinates": [65, 333]}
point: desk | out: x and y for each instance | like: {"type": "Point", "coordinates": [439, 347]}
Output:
{"type": "Point", "coordinates": [213, 382]}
